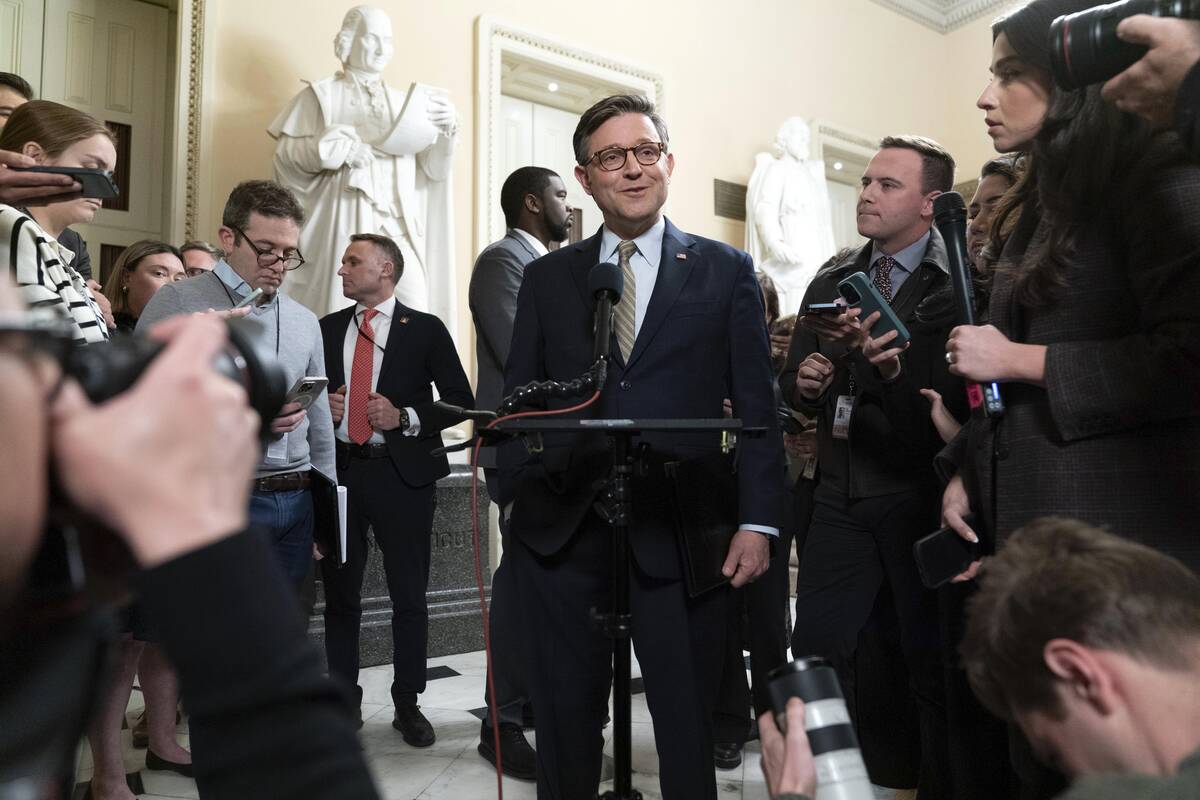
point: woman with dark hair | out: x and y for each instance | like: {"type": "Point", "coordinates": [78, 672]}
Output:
{"type": "Point", "coordinates": [142, 269]}
{"type": "Point", "coordinates": [1094, 327]}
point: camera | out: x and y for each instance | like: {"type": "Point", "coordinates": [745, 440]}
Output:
{"type": "Point", "coordinates": [841, 772]}
{"type": "Point", "coordinates": [1084, 48]}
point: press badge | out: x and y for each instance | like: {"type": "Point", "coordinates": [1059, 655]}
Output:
{"type": "Point", "coordinates": [841, 416]}
{"type": "Point", "coordinates": [277, 450]}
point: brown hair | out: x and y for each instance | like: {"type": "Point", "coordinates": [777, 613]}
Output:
{"type": "Point", "coordinates": [937, 165]}
{"type": "Point", "coordinates": [125, 264]}
{"type": "Point", "coordinates": [391, 251]}
{"type": "Point", "coordinates": [1059, 578]}
{"type": "Point", "coordinates": [52, 125]}
{"type": "Point", "coordinates": [606, 109]}
{"type": "Point", "coordinates": [265, 198]}
{"type": "Point", "coordinates": [203, 247]}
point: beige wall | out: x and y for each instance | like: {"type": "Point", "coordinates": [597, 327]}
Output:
{"type": "Point", "coordinates": [732, 73]}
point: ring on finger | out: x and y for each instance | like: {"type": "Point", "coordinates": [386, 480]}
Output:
{"type": "Point", "coordinates": [949, 357]}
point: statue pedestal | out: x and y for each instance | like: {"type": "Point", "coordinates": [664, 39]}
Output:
{"type": "Point", "coordinates": [455, 625]}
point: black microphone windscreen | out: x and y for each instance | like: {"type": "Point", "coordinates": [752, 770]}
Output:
{"type": "Point", "coordinates": [948, 206]}
{"type": "Point", "coordinates": [606, 277]}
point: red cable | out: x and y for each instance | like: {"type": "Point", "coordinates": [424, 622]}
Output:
{"type": "Point", "coordinates": [483, 606]}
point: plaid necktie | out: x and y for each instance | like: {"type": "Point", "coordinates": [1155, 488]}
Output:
{"type": "Point", "coordinates": [361, 372]}
{"type": "Point", "coordinates": [883, 276]}
{"type": "Point", "coordinates": [625, 314]}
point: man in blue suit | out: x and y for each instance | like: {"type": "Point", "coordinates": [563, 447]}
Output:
{"type": "Point", "coordinates": [688, 333]}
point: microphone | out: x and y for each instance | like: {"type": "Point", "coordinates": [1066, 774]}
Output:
{"type": "Point", "coordinates": [950, 216]}
{"type": "Point", "coordinates": [605, 285]}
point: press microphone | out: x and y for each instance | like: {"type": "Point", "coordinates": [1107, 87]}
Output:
{"type": "Point", "coordinates": [950, 216]}
{"type": "Point", "coordinates": [605, 285]}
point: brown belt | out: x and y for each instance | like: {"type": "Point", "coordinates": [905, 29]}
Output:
{"type": "Point", "coordinates": [286, 482]}
{"type": "Point", "coordinates": [371, 450]}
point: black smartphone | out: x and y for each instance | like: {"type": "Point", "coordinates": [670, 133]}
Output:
{"type": "Point", "coordinates": [96, 183]}
{"type": "Point", "coordinates": [943, 554]}
{"type": "Point", "coordinates": [824, 308]}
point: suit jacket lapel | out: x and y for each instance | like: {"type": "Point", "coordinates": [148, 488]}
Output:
{"type": "Point", "coordinates": [395, 344]}
{"type": "Point", "coordinates": [524, 245]}
{"type": "Point", "coordinates": [673, 273]}
{"type": "Point", "coordinates": [587, 255]}
{"type": "Point", "coordinates": [337, 365]}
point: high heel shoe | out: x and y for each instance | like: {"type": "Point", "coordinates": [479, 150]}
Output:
{"type": "Point", "coordinates": [156, 762]}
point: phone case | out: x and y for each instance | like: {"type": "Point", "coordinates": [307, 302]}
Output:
{"type": "Point", "coordinates": [861, 293]}
{"type": "Point", "coordinates": [94, 182]}
{"type": "Point", "coordinates": [943, 554]}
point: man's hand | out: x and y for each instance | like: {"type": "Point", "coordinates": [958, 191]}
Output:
{"type": "Point", "coordinates": [843, 329]}
{"type": "Point", "coordinates": [814, 376]}
{"type": "Point", "coordinates": [886, 359]}
{"type": "Point", "coordinates": [382, 415]}
{"type": "Point", "coordinates": [181, 425]}
{"type": "Point", "coordinates": [32, 188]}
{"type": "Point", "coordinates": [801, 445]}
{"type": "Point", "coordinates": [337, 404]}
{"type": "Point", "coordinates": [955, 506]}
{"type": "Point", "coordinates": [1150, 86]}
{"type": "Point", "coordinates": [102, 301]}
{"type": "Point", "coordinates": [787, 764]}
{"type": "Point", "coordinates": [780, 342]}
{"type": "Point", "coordinates": [442, 114]}
{"type": "Point", "coordinates": [748, 557]}
{"type": "Point", "coordinates": [288, 418]}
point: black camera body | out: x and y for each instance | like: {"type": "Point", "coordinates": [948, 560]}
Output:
{"type": "Point", "coordinates": [1084, 48]}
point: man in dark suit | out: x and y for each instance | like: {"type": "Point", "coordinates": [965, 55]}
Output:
{"type": "Point", "coordinates": [878, 492]}
{"type": "Point", "coordinates": [688, 333]}
{"type": "Point", "coordinates": [534, 201]}
{"type": "Point", "coordinates": [386, 428]}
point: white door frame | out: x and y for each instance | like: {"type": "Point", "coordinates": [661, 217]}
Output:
{"type": "Point", "coordinates": [189, 191]}
{"type": "Point", "coordinates": [495, 37]}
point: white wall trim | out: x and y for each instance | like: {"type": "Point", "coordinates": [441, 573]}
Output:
{"type": "Point", "coordinates": [943, 15]}
{"type": "Point", "coordinates": [493, 38]}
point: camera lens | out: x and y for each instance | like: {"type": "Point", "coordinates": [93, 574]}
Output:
{"type": "Point", "coordinates": [1085, 49]}
{"type": "Point", "coordinates": [841, 773]}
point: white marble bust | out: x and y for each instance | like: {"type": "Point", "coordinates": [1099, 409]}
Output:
{"type": "Point", "coordinates": [334, 151]}
{"type": "Point", "coordinates": [789, 226]}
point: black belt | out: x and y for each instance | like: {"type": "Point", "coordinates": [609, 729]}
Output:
{"type": "Point", "coordinates": [286, 482]}
{"type": "Point", "coordinates": [362, 450]}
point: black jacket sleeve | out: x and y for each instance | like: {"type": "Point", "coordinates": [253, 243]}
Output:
{"type": "Point", "coordinates": [263, 714]}
{"type": "Point", "coordinates": [1187, 111]}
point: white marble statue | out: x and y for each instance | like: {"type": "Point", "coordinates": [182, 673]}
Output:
{"type": "Point", "coordinates": [358, 165]}
{"type": "Point", "coordinates": [789, 226]}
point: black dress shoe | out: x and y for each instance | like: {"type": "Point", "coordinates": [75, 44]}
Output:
{"type": "Point", "coordinates": [518, 760]}
{"type": "Point", "coordinates": [527, 720]}
{"type": "Point", "coordinates": [414, 728]}
{"type": "Point", "coordinates": [727, 756]}
{"type": "Point", "coordinates": [155, 761]}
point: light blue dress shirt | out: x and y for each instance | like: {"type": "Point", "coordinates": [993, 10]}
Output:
{"type": "Point", "coordinates": [908, 259]}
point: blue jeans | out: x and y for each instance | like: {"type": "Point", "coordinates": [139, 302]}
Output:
{"type": "Point", "coordinates": [287, 519]}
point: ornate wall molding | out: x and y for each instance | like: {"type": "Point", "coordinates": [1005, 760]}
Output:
{"type": "Point", "coordinates": [195, 94]}
{"type": "Point", "coordinates": [494, 38]}
{"type": "Point", "coordinates": [943, 15]}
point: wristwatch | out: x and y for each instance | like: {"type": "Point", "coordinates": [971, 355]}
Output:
{"type": "Point", "coordinates": [403, 420]}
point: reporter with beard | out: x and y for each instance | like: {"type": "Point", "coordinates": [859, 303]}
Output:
{"type": "Point", "coordinates": [262, 713]}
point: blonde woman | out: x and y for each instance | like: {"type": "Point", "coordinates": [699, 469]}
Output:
{"type": "Point", "coordinates": [141, 270]}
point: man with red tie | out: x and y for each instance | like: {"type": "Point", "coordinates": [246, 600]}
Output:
{"type": "Point", "coordinates": [386, 429]}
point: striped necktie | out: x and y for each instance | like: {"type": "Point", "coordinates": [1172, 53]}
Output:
{"type": "Point", "coordinates": [626, 311]}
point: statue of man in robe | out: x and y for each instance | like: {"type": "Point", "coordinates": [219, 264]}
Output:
{"type": "Point", "coordinates": [789, 225]}
{"type": "Point", "coordinates": [335, 150]}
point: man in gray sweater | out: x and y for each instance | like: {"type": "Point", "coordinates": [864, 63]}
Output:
{"type": "Point", "coordinates": [259, 230]}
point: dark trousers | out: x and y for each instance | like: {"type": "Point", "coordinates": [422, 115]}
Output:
{"type": "Point", "coordinates": [504, 622]}
{"type": "Point", "coordinates": [854, 548]}
{"type": "Point", "coordinates": [402, 519]}
{"type": "Point", "coordinates": [678, 642]}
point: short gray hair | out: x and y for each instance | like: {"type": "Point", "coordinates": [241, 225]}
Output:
{"type": "Point", "coordinates": [606, 109]}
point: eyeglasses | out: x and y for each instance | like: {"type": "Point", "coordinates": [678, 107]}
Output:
{"type": "Point", "coordinates": [267, 258]}
{"type": "Point", "coordinates": [612, 159]}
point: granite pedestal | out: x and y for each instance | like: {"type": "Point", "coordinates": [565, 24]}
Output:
{"type": "Point", "coordinates": [455, 624]}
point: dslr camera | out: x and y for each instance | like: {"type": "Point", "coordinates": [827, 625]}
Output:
{"type": "Point", "coordinates": [1084, 48]}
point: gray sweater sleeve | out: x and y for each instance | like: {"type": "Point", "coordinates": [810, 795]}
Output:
{"type": "Point", "coordinates": [165, 303]}
{"type": "Point", "coordinates": [320, 420]}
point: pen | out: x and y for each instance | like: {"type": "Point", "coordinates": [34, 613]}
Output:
{"type": "Point", "coordinates": [250, 298]}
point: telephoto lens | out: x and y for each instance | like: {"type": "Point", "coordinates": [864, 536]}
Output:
{"type": "Point", "coordinates": [841, 773]}
{"type": "Point", "coordinates": [1084, 48]}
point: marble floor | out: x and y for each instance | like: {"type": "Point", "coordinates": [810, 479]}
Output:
{"type": "Point", "coordinates": [451, 769]}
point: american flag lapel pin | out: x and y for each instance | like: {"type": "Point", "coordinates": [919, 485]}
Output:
{"type": "Point", "coordinates": [681, 256]}
{"type": "Point", "coordinates": [404, 320]}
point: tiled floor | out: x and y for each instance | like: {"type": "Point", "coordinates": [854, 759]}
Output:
{"type": "Point", "coordinates": [451, 769]}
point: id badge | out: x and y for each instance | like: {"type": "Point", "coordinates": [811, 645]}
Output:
{"type": "Point", "coordinates": [841, 416]}
{"type": "Point", "coordinates": [277, 450]}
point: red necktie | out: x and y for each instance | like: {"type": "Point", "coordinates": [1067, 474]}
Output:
{"type": "Point", "coordinates": [360, 380]}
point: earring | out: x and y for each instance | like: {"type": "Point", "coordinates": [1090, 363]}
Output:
{"type": "Point", "coordinates": [125, 288]}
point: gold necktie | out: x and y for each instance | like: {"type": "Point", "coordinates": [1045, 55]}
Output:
{"type": "Point", "coordinates": [626, 311]}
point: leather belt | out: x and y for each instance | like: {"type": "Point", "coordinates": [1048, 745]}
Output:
{"type": "Point", "coordinates": [286, 482]}
{"type": "Point", "coordinates": [371, 450]}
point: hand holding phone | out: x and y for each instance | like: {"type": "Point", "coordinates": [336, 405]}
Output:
{"type": "Point", "coordinates": [943, 555]}
{"type": "Point", "coordinates": [97, 183]}
{"type": "Point", "coordinates": [305, 391]}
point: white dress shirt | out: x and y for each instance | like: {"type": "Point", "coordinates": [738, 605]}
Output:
{"type": "Point", "coordinates": [534, 242]}
{"type": "Point", "coordinates": [381, 324]}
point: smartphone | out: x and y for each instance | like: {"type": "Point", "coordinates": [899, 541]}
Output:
{"type": "Point", "coordinates": [824, 308]}
{"type": "Point", "coordinates": [306, 390]}
{"type": "Point", "coordinates": [943, 554]}
{"type": "Point", "coordinates": [96, 183]}
{"type": "Point", "coordinates": [248, 299]}
{"type": "Point", "coordinates": [859, 292]}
